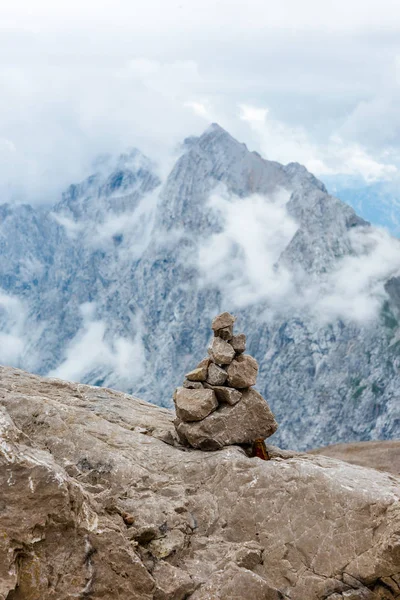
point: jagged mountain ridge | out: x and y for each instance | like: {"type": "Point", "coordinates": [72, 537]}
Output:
{"type": "Point", "coordinates": [115, 293]}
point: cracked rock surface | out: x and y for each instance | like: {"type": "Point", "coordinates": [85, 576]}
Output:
{"type": "Point", "coordinates": [98, 500]}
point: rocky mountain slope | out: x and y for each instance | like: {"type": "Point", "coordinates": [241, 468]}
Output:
{"type": "Point", "coordinates": [100, 501]}
{"type": "Point", "coordinates": [115, 284]}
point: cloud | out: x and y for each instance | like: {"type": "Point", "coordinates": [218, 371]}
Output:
{"type": "Point", "coordinates": [128, 232]}
{"type": "Point", "coordinates": [91, 352]}
{"type": "Point", "coordinates": [293, 144]}
{"type": "Point", "coordinates": [354, 290]}
{"type": "Point", "coordinates": [79, 79]}
{"type": "Point", "coordinates": [242, 261]}
{"type": "Point", "coordinates": [13, 314]}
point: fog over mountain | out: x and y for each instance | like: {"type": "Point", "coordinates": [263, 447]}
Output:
{"type": "Point", "coordinates": [115, 285]}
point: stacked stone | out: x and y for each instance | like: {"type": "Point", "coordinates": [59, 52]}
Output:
{"type": "Point", "coordinates": [217, 405]}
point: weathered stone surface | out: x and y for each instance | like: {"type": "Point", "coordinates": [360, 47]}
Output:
{"type": "Point", "coordinates": [221, 352]}
{"type": "Point", "coordinates": [77, 462]}
{"type": "Point", "coordinates": [235, 583]}
{"type": "Point", "coordinates": [246, 421]}
{"type": "Point", "coordinates": [382, 455]}
{"type": "Point", "coordinates": [225, 334]}
{"type": "Point", "coordinates": [225, 394]}
{"type": "Point", "coordinates": [200, 372]}
{"type": "Point", "coordinates": [242, 372]}
{"type": "Point", "coordinates": [223, 320]}
{"type": "Point", "coordinates": [216, 375]}
{"type": "Point", "coordinates": [172, 583]}
{"type": "Point", "coordinates": [193, 404]}
{"type": "Point", "coordinates": [163, 547]}
{"type": "Point", "coordinates": [238, 343]}
{"type": "Point", "coordinates": [193, 385]}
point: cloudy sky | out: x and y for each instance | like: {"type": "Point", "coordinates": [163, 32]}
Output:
{"type": "Point", "coordinates": [299, 80]}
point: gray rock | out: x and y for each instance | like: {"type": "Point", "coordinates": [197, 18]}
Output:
{"type": "Point", "coordinates": [225, 334]}
{"type": "Point", "coordinates": [194, 404]}
{"type": "Point", "coordinates": [242, 372]}
{"type": "Point", "coordinates": [226, 394]}
{"type": "Point", "coordinates": [216, 375]}
{"type": "Point", "coordinates": [200, 372]}
{"type": "Point", "coordinates": [238, 343]}
{"type": "Point", "coordinates": [223, 320]}
{"type": "Point", "coordinates": [243, 423]}
{"type": "Point", "coordinates": [192, 385]}
{"type": "Point", "coordinates": [221, 352]}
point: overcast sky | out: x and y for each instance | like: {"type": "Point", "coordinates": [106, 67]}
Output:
{"type": "Point", "coordinates": [298, 80]}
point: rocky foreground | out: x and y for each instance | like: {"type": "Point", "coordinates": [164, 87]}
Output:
{"type": "Point", "coordinates": [98, 500]}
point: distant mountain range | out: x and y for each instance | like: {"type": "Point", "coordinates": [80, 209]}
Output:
{"type": "Point", "coordinates": [117, 283]}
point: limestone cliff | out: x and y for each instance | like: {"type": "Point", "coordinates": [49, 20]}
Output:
{"type": "Point", "coordinates": [98, 500]}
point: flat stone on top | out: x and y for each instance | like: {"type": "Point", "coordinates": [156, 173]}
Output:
{"type": "Point", "coordinates": [223, 320]}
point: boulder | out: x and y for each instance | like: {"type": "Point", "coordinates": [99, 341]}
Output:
{"type": "Point", "coordinates": [225, 394]}
{"type": "Point", "coordinates": [216, 375]}
{"type": "Point", "coordinates": [242, 372]}
{"type": "Point", "coordinates": [87, 484]}
{"type": "Point", "coordinates": [194, 404]}
{"type": "Point", "coordinates": [221, 352]}
{"type": "Point", "coordinates": [223, 320]}
{"type": "Point", "coordinates": [238, 343]}
{"type": "Point", "coordinates": [243, 423]}
{"type": "Point", "coordinates": [200, 372]}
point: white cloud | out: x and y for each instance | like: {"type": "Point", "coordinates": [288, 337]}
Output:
{"type": "Point", "coordinates": [91, 352]}
{"type": "Point", "coordinates": [199, 109]}
{"type": "Point", "coordinates": [143, 75]}
{"type": "Point", "coordinates": [293, 144]}
{"type": "Point", "coordinates": [242, 262]}
{"type": "Point", "coordinates": [354, 291]}
{"type": "Point", "coordinates": [13, 315]}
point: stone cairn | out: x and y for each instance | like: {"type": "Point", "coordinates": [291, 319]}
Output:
{"type": "Point", "coordinates": [217, 405]}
